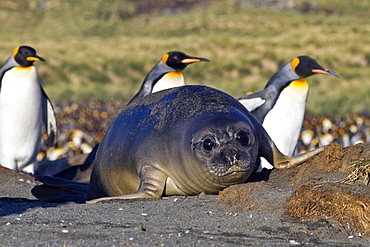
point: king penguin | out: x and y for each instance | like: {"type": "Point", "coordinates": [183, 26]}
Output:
{"type": "Point", "coordinates": [281, 105]}
{"type": "Point", "coordinates": [166, 73]}
{"type": "Point", "coordinates": [24, 106]}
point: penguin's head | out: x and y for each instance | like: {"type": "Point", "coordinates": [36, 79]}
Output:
{"type": "Point", "coordinates": [179, 60]}
{"type": "Point", "coordinates": [25, 56]}
{"type": "Point", "coordinates": [304, 66]}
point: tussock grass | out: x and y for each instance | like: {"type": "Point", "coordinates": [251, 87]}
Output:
{"type": "Point", "coordinates": [360, 172]}
{"type": "Point", "coordinates": [92, 51]}
{"type": "Point", "coordinates": [340, 202]}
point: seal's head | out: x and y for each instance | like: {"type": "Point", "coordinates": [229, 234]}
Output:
{"type": "Point", "coordinates": [225, 146]}
{"type": "Point", "coordinates": [225, 151]}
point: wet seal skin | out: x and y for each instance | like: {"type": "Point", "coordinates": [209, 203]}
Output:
{"type": "Point", "coordinates": [182, 141]}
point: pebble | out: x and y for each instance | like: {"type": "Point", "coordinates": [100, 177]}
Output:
{"type": "Point", "coordinates": [293, 242]}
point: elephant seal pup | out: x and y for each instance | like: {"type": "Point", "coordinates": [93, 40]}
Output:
{"type": "Point", "coordinates": [181, 141]}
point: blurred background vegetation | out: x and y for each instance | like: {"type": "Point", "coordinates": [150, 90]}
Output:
{"type": "Point", "coordinates": [104, 48]}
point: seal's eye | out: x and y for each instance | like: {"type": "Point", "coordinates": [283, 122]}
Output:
{"type": "Point", "coordinates": [208, 144]}
{"type": "Point", "coordinates": [242, 137]}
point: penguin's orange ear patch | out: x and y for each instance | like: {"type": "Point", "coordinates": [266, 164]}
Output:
{"type": "Point", "coordinates": [165, 58]}
{"type": "Point", "coordinates": [16, 51]}
{"type": "Point", "coordinates": [295, 63]}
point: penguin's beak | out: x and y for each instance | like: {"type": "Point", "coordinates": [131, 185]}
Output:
{"type": "Point", "coordinates": [324, 71]}
{"type": "Point", "coordinates": [35, 58]}
{"type": "Point", "coordinates": [194, 60]}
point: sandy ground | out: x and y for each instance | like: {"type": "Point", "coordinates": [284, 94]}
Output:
{"type": "Point", "coordinates": [250, 214]}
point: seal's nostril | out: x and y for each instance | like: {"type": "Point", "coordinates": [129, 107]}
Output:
{"type": "Point", "coordinates": [230, 155]}
{"type": "Point", "coordinates": [235, 157]}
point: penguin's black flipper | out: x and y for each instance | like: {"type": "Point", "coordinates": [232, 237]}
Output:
{"type": "Point", "coordinates": [48, 119]}
{"type": "Point", "coordinates": [9, 63]}
{"type": "Point", "coordinates": [253, 101]}
{"type": "Point", "coordinates": [260, 103]}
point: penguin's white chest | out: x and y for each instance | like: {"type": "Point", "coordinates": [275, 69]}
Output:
{"type": "Point", "coordinates": [284, 121]}
{"type": "Point", "coordinates": [20, 117]}
{"type": "Point", "coordinates": [169, 80]}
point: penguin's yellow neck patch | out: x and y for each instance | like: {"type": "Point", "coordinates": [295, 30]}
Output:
{"type": "Point", "coordinates": [174, 73]}
{"type": "Point", "coordinates": [23, 68]}
{"type": "Point", "coordinates": [301, 82]}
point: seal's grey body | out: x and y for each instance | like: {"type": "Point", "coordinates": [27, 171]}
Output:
{"type": "Point", "coordinates": [181, 141]}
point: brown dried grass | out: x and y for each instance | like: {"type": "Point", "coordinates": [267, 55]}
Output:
{"type": "Point", "coordinates": [345, 204]}
{"type": "Point", "coordinates": [360, 172]}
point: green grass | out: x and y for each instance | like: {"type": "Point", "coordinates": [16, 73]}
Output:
{"type": "Point", "coordinates": [93, 50]}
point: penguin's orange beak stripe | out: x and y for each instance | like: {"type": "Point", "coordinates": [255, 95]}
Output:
{"type": "Point", "coordinates": [320, 71]}
{"type": "Point", "coordinates": [33, 59]}
{"type": "Point", "coordinates": [190, 60]}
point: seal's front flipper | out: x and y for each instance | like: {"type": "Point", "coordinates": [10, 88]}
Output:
{"type": "Point", "coordinates": [280, 161]}
{"type": "Point", "coordinates": [152, 184]}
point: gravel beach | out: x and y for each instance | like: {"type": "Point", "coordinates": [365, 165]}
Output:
{"type": "Point", "coordinates": [202, 220]}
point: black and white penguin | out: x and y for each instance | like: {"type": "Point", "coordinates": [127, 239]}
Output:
{"type": "Point", "coordinates": [281, 105]}
{"type": "Point", "coordinates": [24, 108]}
{"type": "Point", "coordinates": [166, 73]}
